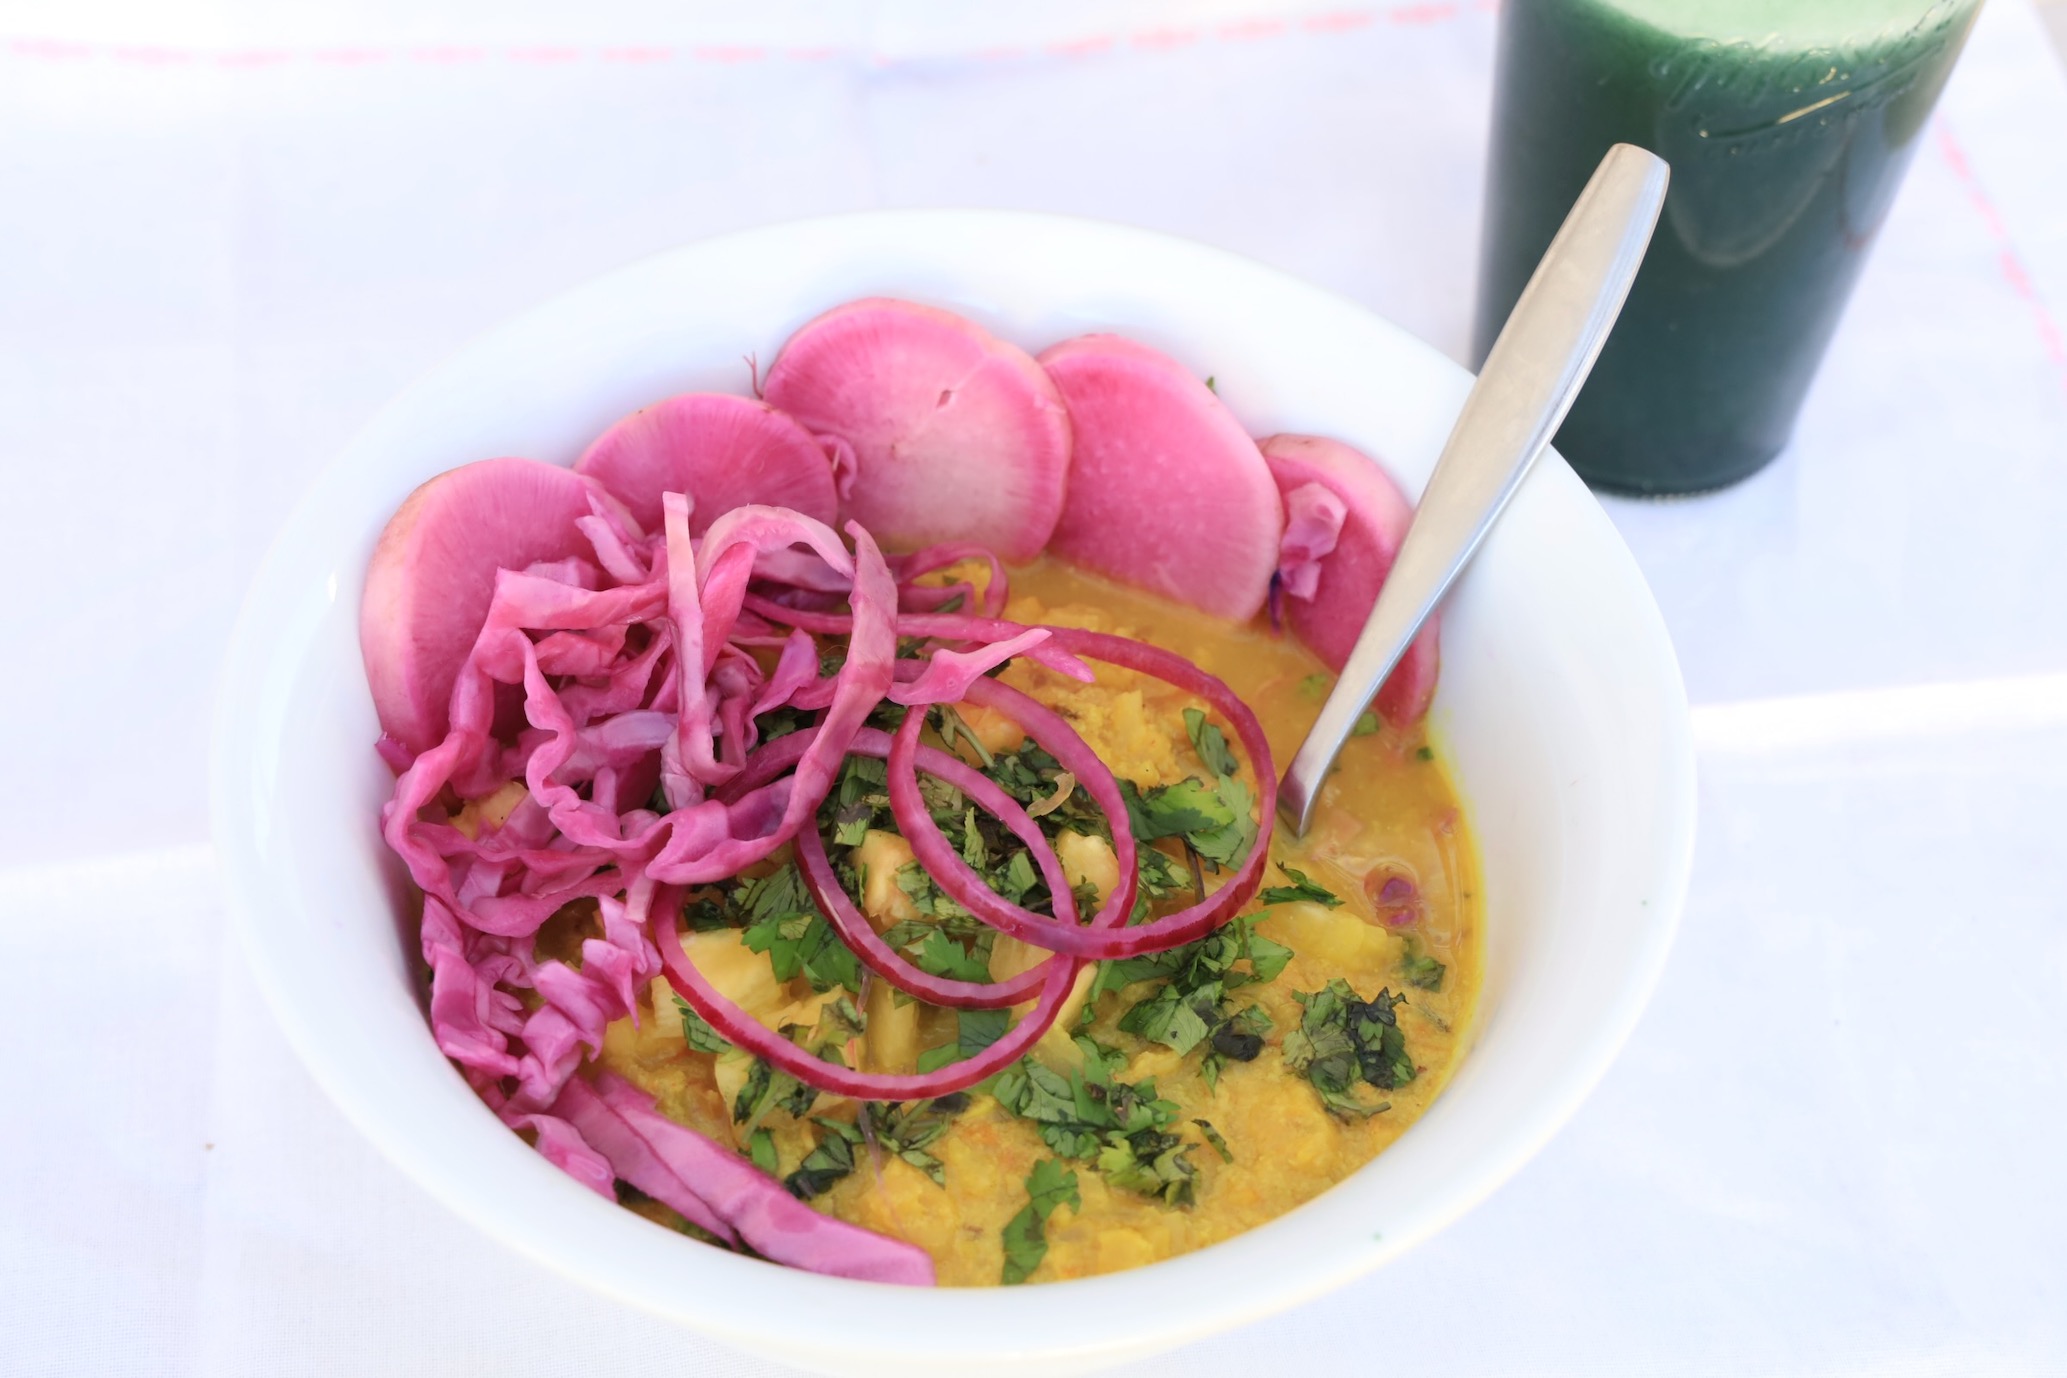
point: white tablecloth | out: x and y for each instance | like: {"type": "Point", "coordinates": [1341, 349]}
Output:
{"type": "Point", "coordinates": [1834, 1144]}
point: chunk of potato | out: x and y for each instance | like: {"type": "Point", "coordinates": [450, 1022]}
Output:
{"type": "Point", "coordinates": [891, 1043]}
{"type": "Point", "coordinates": [1000, 735]}
{"type": "Point", "coordinates": [741, 975]}
{"type": "Point", "coordinates": [1335, 936]}
{"type": "Point", "coordinates": [1088, 859]}
{"type": "Point", "coordinates": [880, 857]}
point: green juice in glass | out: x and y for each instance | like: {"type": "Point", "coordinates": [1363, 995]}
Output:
{"type": "Point", "coordinates": [1787, 123]}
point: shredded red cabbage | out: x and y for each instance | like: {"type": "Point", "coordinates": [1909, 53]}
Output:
{"type": "Point", "coordinates": [643, 771]}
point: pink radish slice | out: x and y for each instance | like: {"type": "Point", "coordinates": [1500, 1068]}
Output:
{"type": "Point", "coordinates": [723, 451]}
{"type": "Point", "coordinates": [955, 435]}
{"type": "Point", "coordinates": [433, 572]}
{"type": "Point", "coordinates": [1166, 490]}
{"type": "Point", "coordinates": [1374, 522]}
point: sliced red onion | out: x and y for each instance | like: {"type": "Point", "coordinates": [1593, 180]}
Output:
{"type": "Point", "coordinates": [744, 1031]}
{"type": "Point", "coordinates": [961, 883]}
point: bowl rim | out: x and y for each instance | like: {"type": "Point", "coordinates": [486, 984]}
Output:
{"type": "Point", "coordinates": [1109, 1315]}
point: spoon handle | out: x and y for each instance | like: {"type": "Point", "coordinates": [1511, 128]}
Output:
{"type": "Point", "coordinates": [1529, 380]}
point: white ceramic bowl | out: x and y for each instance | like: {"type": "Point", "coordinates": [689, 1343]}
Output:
{"type": "Point", "coordinates": [1560, 710]}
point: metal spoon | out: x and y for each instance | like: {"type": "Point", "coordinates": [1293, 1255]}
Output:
{"type": "Point", "coordinates": [1529, 380]}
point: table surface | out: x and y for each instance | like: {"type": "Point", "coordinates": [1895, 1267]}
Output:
{"type": "Point", "coordinates": [231, 232]}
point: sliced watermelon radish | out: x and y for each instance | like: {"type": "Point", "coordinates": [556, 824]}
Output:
{"type": "Point", "coordinates": [1166, 490]}
{"type": "Point", "coordinates": [720, 450]}
{"type": "Point", "coordinates": [1341, 572]}
{"type": "Point", "coordinates": [954, 434]}
{"type": "Point", "coordinates": [433, 572]}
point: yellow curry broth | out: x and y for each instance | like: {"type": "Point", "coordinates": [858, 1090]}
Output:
{"type": "Point", "coordinates": [1388, 813]}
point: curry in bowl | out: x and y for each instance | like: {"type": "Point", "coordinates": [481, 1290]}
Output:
{"type": "Point", "coordinates": [921, 916]}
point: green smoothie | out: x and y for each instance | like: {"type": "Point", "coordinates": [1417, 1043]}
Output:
{"type": "Point", "coordinates": [1787, 124]}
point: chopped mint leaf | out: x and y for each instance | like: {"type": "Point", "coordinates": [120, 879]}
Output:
{"type": "Point", "coordinates": [760, 1146]}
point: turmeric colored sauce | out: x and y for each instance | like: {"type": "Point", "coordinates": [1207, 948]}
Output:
{"type": "Point", "coordinates": [1388, 841]}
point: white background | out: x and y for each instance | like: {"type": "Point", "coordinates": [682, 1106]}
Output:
{"type": "Point", "coordinates": [228, 232]}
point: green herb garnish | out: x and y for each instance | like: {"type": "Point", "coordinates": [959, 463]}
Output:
{"type": "Point", "coordinates": [1421, 970]}
{"type": "Point", "coordinates": [1209, 742]}
{"type": "Point", "coordinates": [697, 1030]}
{"type": "Point", "coordinates": [975, 1030]}
{"type": "Point", "coordinates": [1343, 1039]}
{"type": "Point", "coordinates": [1026, 1234]}
{"type": "Point", "coordinates": [1301, 889]}
{"type": "Point", "coordinates": [906, 1130]}
{"type": "Point", "coordinates": [826, 1164]}
{"type": "Point", "coordinates": [782, 922]}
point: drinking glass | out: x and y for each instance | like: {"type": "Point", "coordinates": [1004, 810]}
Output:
{"type": "Point", "coordinates": [1787, 123]}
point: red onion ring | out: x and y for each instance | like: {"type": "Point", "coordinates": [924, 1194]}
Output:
{"type": "Point", "coordinates": [745, 1031]}
{"type": "Point", "coordinates": [855, 929]}
{"type": "Point", "coordinates": [956, 879]}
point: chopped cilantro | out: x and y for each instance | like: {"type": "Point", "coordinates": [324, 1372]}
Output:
{"type": "Point", "coordinates": [1175, 1018]}
{"type": "Point", "coordinates": [1150, 1163]}
{"type": "Point", "coordinates": [940, 955]}
{"type": "Point", "coordinates": [1094, 1116]}
{"type": "Point", "coordinates": [1301, 889]}
{"type": "Point", "coordinates": [1217, 820]}
{"type": "Point", "coordinates": [1421, 971]}
{"type": "Point", "coordinates": [1016, 877]}
{"type": "Point", "coordinates": [1366, 724]}
{"type": "Point", "coordinates": [783, 923]}
{"type": "Point", "coordinates": [1342, 1039]}
{"type": "Point", "coordinates": [975, 1030]}
{"type": "Point", "coordinates": [906, 1130]}
{"type": "Point", "coordinates": [925, 896]}
{"type": "Point", "coordinates": [1424, 753]}
{"type": "Point", "coordinates": [1213, 1138]}
{"type": "Point", "coordinates": [1026, 1234]}
{"type": "Point", "coordinates": [826, 1164]}
{"type": "Point", "coordinates": [952, 726]}
{"type": "Point", "coordinates": [760, 1146]}
{"type": "Point", "coordinates": [697, 1030]}
{"type": "Point", "coordinates": [1208, 741]}
{"type": "Point", "coordinates": [767, 1089]}
{"type": "Point", "coordinates": [1316, 687]}
{"type": "Point", "coordinates": [974, 850]}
